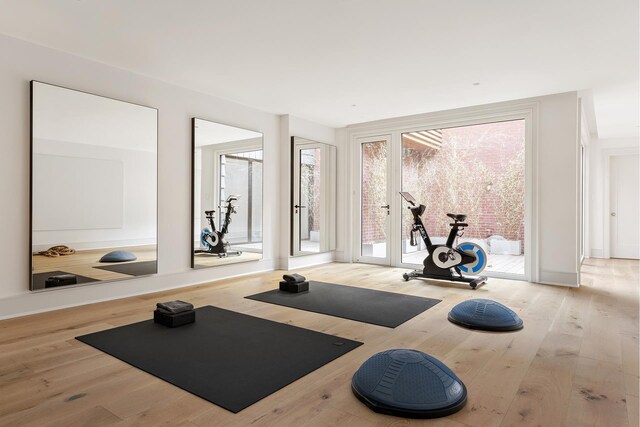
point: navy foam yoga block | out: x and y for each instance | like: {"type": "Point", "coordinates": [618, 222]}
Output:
{"type": "Point", "coordinates": [485, 315]}
{"type": "Point", "coordinates": [118, 256]}
{"type": "Point", "coordinates": [408, 383]}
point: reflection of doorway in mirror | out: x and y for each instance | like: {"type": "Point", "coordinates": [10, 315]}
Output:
{"type": "Point", "coordinates": [313, 192]}
{"type": "Point", "coordinates": [310, 190]}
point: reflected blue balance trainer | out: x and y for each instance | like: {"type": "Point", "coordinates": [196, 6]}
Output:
{"type": "Point", "coordinates": [118, 256]}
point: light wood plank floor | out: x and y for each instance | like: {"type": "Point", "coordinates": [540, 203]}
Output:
{"type": "Point", "coordinates": [575, 363]}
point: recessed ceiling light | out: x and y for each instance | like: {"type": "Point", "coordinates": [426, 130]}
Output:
{"type": "Point", "coordinates": [353, 105]}
{"type": "Point", "coordinates": [476, 84]}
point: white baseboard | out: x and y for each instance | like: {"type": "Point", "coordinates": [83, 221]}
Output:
{"type": "Point", "coordinates": [559, 278]}
{"type": "Point", "coordinates": [597, 253]}
{"type": "Point", "coordinates": [309, 260]}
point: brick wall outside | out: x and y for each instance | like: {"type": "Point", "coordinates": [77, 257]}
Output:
{"type": "Point", "coordinates": [374, 191]}
{"type": "Point", "coordinates": [310, 186]}
{"type": "Point", "coordinates": [478, 171]}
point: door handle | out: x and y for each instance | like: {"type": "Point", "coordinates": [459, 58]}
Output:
{"type": "Point", "coordinates": [387, 207]}
{"type": "Point", "coordinates": [299, 207]}
{"type": "Point", "coordinates": [613, 214]}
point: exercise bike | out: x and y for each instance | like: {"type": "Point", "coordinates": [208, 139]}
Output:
{"type": "Point", "coordinates": [212, 240]}
{"type": "Point", "coordinates": [445, 262]}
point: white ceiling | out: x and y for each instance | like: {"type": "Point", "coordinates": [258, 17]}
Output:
{"type": "Point", "coordinates": [340, 62]}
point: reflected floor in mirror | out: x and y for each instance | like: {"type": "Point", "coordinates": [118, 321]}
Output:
{"type": "Point", "coordinates": [83, 263]}
{"type": "Point", "coordinates": [205, 260]}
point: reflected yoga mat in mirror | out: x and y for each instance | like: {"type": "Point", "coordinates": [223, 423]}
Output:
{"type": "Point", "coordinates": [227, 194]}
{"type": "Point", "coordinates": [93, 181]}
{"type": "Point", "coordinates": [132, 268]}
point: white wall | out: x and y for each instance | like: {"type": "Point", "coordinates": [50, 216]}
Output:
{"type": "Point", "coordinates": [558, 184]}
{"type": "Point", "coordinates": [24, 62]}
{"type": "Point", "coordinates": [598, 151]}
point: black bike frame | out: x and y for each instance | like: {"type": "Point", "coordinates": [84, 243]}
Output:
{"type": "Point", "coordinates": [418, 225]}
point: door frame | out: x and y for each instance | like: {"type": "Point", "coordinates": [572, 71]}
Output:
{"type": "Point", "coordinates": [356, 177]}
{"type": "Point", "coordinates": [607, 154]}
{"type": "Point", "coordinates": [527, 111]}
{"type": "Point", "coordinates": [327, 169]}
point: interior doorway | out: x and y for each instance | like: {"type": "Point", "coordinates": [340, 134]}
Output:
{"type": "Point", "coordinates": [624, 206]}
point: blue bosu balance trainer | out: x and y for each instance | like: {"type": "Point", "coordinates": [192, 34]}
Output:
{"type": "Point", "coordinates": [486, 315]}
{"type": "Point", "coordinates": [408, 383]}
{"type": "Point", "coordinates": [118, 256]}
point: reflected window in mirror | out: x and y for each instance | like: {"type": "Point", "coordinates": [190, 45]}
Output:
{"type": "Point", "coordinates": [93, 188]}
{"type": "Point", "coordinates": [313, 197]}
{"type": "Point", "coordinates": [227, 194]}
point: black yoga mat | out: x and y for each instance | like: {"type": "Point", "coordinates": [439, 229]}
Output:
{"type": "Point", "coordinates": [364, 305]}
{"type": "Point", "coordinates": [143, 268]}
{"type": "Point", "coordinates": [227, 358]}
{"type": "Point", "coordinates": [38, 279]}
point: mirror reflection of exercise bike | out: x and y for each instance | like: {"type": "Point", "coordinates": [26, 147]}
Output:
{"type": "Point", "coordinates": [212, 240]}
{"type": "Point", "coordinates": [445, 262]}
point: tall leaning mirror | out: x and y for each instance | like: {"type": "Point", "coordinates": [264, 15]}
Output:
{"type": "Point", "coordinates": [93, 188]}
{"type": "Point", "coordinates": [227, 194]}
{"type": "Point", "coordinates": [313, 196]}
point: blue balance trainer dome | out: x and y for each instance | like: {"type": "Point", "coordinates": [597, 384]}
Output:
{"type": "Point", "coordinates": [118, 256]}
{"type": "Point", "coordinates": [408, 383]}
{"type": "Point", "coordinates": [486, 315]}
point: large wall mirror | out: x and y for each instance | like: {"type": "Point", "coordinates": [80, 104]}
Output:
{"type": "Point", "coordinates": [313, 196]}
{"type": "Point", "coordinates": [227, 194]}
{"type": "Point", "coordinates": [93, 188]}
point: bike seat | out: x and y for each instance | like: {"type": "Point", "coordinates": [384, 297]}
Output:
{"type": "Point", "coordinates": [208, 213]}
{"type": "Point", "coordinates": [457, 217]}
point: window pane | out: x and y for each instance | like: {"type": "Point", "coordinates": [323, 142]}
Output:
{"type": "Point", "coordinates": [374, 196]}
{"type": "Point", "coordinates": [256, 202]}
{"type": "Point", "coordinates": [476, 170]}
{"type": "Point", "coordinates": [235, 181]}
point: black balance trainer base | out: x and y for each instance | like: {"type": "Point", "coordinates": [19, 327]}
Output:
{"type": "Point", "coordinates": [174, 320]}
{"type": "Point", "coordinates": [409, 383]}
